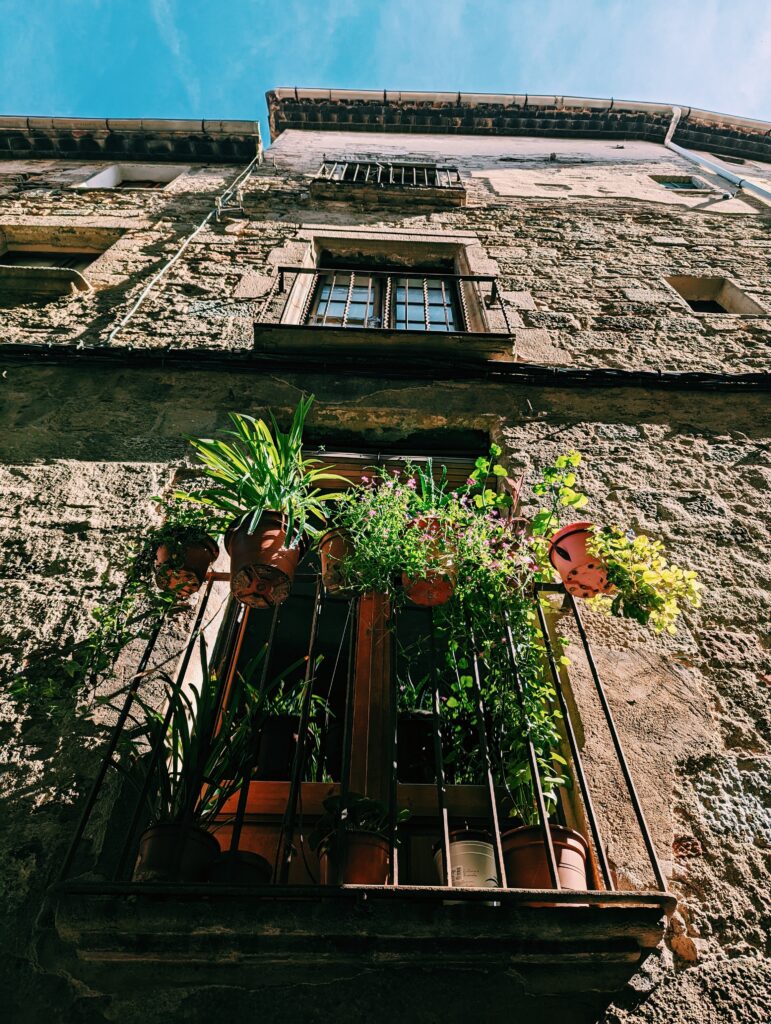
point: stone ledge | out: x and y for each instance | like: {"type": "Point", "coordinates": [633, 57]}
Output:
{"type": "Point", "coordinates": [125, 936]}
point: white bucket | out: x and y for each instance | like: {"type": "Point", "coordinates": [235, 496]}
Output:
{"type": "Point", "coordinates": [472, 863]}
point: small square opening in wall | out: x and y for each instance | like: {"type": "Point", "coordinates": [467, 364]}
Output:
{"type": "Point", "coordinates": [713, 295]}
{"type": "Point", "coordinates": [133, 176]}
{"type": "Point", "coordinates": [681, 183]}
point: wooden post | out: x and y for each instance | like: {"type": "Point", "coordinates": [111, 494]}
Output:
{"type": "Point", "coordinates": [371, 739]}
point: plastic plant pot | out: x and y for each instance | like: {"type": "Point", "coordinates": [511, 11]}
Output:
{"type": "Point", "coordinates": [583, 574]}
{"type": "Point", "coordinates": [262, 567]}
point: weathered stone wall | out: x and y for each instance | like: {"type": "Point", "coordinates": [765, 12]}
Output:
{"type": "Point", "coordinates": [83, 448]}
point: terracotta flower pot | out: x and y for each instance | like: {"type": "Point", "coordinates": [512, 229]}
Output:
{"type": "Point", "coordinates": [166, 856]}
{"type": "Point", "coordinates": [261, 566]}
{"type": "Point", "coordinates": [524, 858]}
{"type": "Point", "coordinates": [333, 548]}
{"type": "Point", "coordinates": [366, 859]}
{"type": "Point", "coordinates": [241, 867]}
{"type": "Point", "coordinates": [435, 588]}
{"type": "Point", "coordinates": [583, 574]}
{"type": "Point", "coordinates": [186, 579]}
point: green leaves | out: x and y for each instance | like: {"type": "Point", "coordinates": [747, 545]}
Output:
{"type": "Point", "coordinates": [257, 467]}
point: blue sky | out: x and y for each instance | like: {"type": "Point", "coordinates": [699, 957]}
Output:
{"type": "Point", "coordinates": [216, 58]}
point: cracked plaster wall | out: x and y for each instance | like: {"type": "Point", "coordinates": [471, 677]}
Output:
{"type": "Point", "coordinates": [83, 449]}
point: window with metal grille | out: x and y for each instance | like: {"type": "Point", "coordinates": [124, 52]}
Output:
{"type": "Point", "coordinates": [376, 172]}
{"type": "Point", "coordinates": [371, 299]}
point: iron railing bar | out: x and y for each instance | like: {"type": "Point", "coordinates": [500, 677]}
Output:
{"type": "Point", "coordinates": [477, 683]}
{"type": "Point", "coordinates": [327, 713]}
{"type": "Point", "coordinates": [345, 774]}
{"type": "Point", "coordinates": [393, 863]}
{"type": "Point", "coordinates": [348, 297]}
{"type": "Point", "coordinates": [643, 825]}
{"type": "Point", "coordinates": [243, 793]}
{"type": "Point", "coordinates": [112, 745]}
{"type": "Point", "coordinates": [387, 273]}
{"type": "Point", "coordinates": [575, 752]}
{"type": "Point", "coordinates": [439, 778]}
{"type": "Point", "coordinates": [298, 762]}
{"type": "Point", "coordinates": [535, 774]}
{"type": "Point", "coordinates": [160, 738]}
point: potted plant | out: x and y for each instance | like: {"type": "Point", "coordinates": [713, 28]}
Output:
{"type": "Point", "coordinates": [177, 554]}
{"type": "Point", "coordinates": [351, 840]}
{"type": "Point", "coordinates": [372, 518]}
{"type": "Point", "coordinates": [428, 573]}
{"type": "Point", "coordinates": [279, 731]}
{"type": "Point", "coordinates": [263, 480]}
{"type": "Point", "coordinates": [334, 547]}
{"type": "Point", "coordinates": [202, 750]}
{"type": "Point", "coordinates": [644, 585]}
{"type": "Point", "coordinates": [622, 572]}
{"type": "Point", "coordinates": [472, 860]}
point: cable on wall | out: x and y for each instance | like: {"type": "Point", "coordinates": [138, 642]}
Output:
{"type": "Point", "coordinates": [221, 200]}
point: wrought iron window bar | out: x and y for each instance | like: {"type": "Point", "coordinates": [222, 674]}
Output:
{"type": "Point", "coordinates": [290, 839]}
{"type": "Point", "coordinates": [386, 173]}
{"type": "Point", "coordinates": [484, 288]}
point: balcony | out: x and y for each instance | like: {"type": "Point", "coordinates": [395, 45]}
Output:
{"type": "Point", "coordinates": [289, 329]}
{"type": "Point", "coordinates": [376, 181]}
{"type": "Point", "coordinates": [494, 947]}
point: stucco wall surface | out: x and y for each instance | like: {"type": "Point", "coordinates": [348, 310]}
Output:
{"type": "Point", "coordinates": [581, 243]}
{"type": "Point", "coordinates": [83, 450]}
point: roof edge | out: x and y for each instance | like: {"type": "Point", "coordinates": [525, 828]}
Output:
{"type": "Point", "coordinates": [148, 139]}
{"type": "Point", "coordinates": [508, 114]}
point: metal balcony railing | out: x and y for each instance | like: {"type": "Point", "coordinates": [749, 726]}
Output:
{"type": "Point", "coordinates": [345, 628]}
{"type": "Point", "coordinates": [402, 300]}
{"type": "Point", "coordinates": [384, 173]}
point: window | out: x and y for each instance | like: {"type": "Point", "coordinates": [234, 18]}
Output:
{"type": "Point", "coordinates": [404, 175]}
{"type": "Point", "coordinates": [713, 295]}
{"type": "Point", "coordinates": [373, 298]}
{"type": "Point", "coordinates": [35, 265]}
{"type": "Point", "coordinates": [134, 176]}
{"type": "Point", "coordinates": [682, 183]}
{"type": "Point", "coordinates": [47, 258]}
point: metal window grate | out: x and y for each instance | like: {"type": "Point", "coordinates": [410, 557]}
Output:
{"type": "Point", "coordinates": [385, 173]}
{"type": "Point", "coordinates": [371, 299]}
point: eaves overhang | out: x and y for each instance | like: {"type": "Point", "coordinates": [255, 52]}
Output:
{"type": "Point", "coordinates": [456, 113]}
{"type": "Point", "coordinates": [162, 141]}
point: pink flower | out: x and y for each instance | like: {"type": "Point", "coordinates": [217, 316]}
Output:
{"type": "Point", "coordinates": [412, 483]}
{"type": "Point", "coordinates": [372, 512]}
{"type": "Point", "coordinates": [365, 479]}
{"type": "Point", "coordinates": [470, 482]}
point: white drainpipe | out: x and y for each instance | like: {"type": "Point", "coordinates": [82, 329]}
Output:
{"type": "Point", "coordinates": [709, 165]}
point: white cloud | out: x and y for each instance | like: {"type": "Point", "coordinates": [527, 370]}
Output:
{"type": "Point", "coordinates": [166, 20]}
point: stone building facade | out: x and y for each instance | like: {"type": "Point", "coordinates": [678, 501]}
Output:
{"type": "Point", "coordinates": [582, 243]}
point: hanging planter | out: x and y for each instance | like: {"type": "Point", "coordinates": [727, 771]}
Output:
{"type": "Point", "coordinates": [584, 574]}
{"type": "Point", "coordinates": [182, 571]}
{"type": "Point", "coordinates": [472, 859]}
{"type": "Point", "coordinates": [364, 859]}
{"type": "Point", "coordinates": [334, 547]}
{"type": "Point", "coordinates": [524, 857]}
{"type": "Point", "coordinates": [262, 567]}
{"type": "Point", "coordinates": [437, 586]}
{"type": "Point", "coordinates": [169, 853]}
